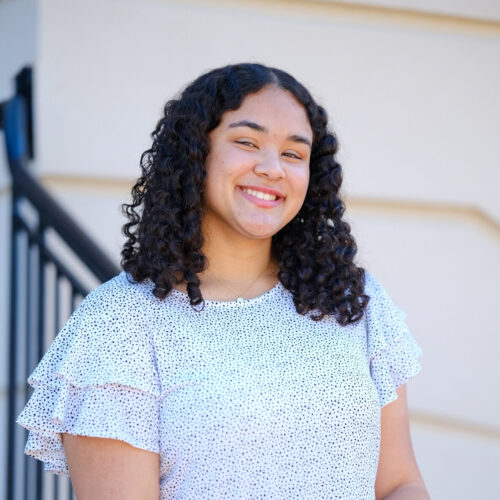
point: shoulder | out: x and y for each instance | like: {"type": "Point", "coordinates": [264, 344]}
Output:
{"type": "Point", "coordinates": [119, 302]}
{"type": "Point", "coordinates": [121, 294]}
{"type": "Point", "coordinates": [373, 287]}
{"type": "Point", "coordinates": [380, 303]}
{"type": "Point", "coordinates": [118, 311]}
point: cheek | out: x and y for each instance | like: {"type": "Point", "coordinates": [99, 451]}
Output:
{"type": "Point", "coordinates": [301, 183]}
{"type": "Point", "coordinates": [215, 167]}
{"type": "Point", "coordinates": [223, 162]}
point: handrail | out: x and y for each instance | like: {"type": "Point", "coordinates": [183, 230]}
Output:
{"type": "Point", "coordinates": [51, 212]}
{"type": "Point", "coordinates": [53, 215]}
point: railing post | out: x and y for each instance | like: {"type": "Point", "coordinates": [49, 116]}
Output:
{"type": "Point", "coordinates": [12, 363]}
{"type": "Point", "coordinates": [41, 328]}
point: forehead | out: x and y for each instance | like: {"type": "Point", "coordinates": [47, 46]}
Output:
{"type": "Point", "coordinates": [274, 108]}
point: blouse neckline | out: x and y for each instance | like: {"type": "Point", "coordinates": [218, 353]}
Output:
{"type": "Point", "coordinates": [216, 303]}
{"type": "Point", "coordinates": [232, 303]}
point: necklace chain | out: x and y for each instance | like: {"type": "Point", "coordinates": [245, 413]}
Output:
{"type": "Point", "coordinates": [240, 295]}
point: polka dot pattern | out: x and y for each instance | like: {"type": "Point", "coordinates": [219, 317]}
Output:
{"type": "Point", "coordinates": [243, 400]}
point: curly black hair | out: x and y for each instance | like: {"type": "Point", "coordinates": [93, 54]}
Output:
{"type": "Point", "coordinates": [314, 251]}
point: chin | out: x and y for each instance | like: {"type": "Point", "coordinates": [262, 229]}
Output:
{"type": "Point", "coordinates": [257, 232]}
{"type": "Point", "coordinates": [260, 234]}
{"type": "Point", "coordinates": [259, 229]}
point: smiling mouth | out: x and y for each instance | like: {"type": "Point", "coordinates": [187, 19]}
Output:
{"type": "Point", "coordinates": [260, 194]}
{"type": "Point", "coordinates": [263, 199]}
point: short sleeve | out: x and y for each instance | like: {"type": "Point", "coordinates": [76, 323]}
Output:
{"type": "Point", "coordinates": [98, 378]}
{"type": "Point", "coordinates": [393, 352]}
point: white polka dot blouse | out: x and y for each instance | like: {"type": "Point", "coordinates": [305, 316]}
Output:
{"type": "Point", "coordinates": [243, 400]}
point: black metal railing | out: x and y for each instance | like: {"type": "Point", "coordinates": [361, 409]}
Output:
{"type": "Point", "coordinates": [53, 264]}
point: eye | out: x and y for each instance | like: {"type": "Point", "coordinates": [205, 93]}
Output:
{"type": "Point", "coordinates": [246, 143]}
{"type": "Point", "coordinates": [291, 154]}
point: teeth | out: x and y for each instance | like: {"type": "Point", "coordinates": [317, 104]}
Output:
{"type": "Point", "coordinates": [260, 195]}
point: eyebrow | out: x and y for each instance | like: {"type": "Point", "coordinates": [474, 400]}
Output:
{"type": "Point", "coordinates": [259, 128]}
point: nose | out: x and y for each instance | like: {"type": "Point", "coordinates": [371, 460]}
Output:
{"type": "Point", "coordinates": [270, 166]}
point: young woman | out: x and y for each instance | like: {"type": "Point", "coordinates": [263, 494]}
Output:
{"type": "Point", "coordinates": [241, 353]}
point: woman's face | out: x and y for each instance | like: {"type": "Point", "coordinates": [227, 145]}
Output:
{"type": "Point", "coordinates": [258, 165]}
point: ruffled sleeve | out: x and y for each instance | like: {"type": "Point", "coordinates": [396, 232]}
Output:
{"type": "Point", "coordinates": [98, 378]}
{"type": "Point", "coordinates": [392, 351]}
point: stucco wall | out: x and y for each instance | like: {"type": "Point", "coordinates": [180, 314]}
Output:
{"type": "Point", "coordinates": [486, 10]}
{"type": "Point", "coordinates": [413, 98]}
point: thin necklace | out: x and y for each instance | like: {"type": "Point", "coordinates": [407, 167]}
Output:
{"type": "Point", "coordinates": [240, 295]}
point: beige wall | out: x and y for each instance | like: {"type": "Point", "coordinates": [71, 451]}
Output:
{"type": "Point", "coordinates": [413, 96]}
{"type": "Point", "coordinates": [488, 10]}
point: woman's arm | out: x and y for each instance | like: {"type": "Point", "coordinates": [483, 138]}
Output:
{"type": "Point", "coordinates": [398, 477]}
{"type": "Point", "coordinates": [109, 469]}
